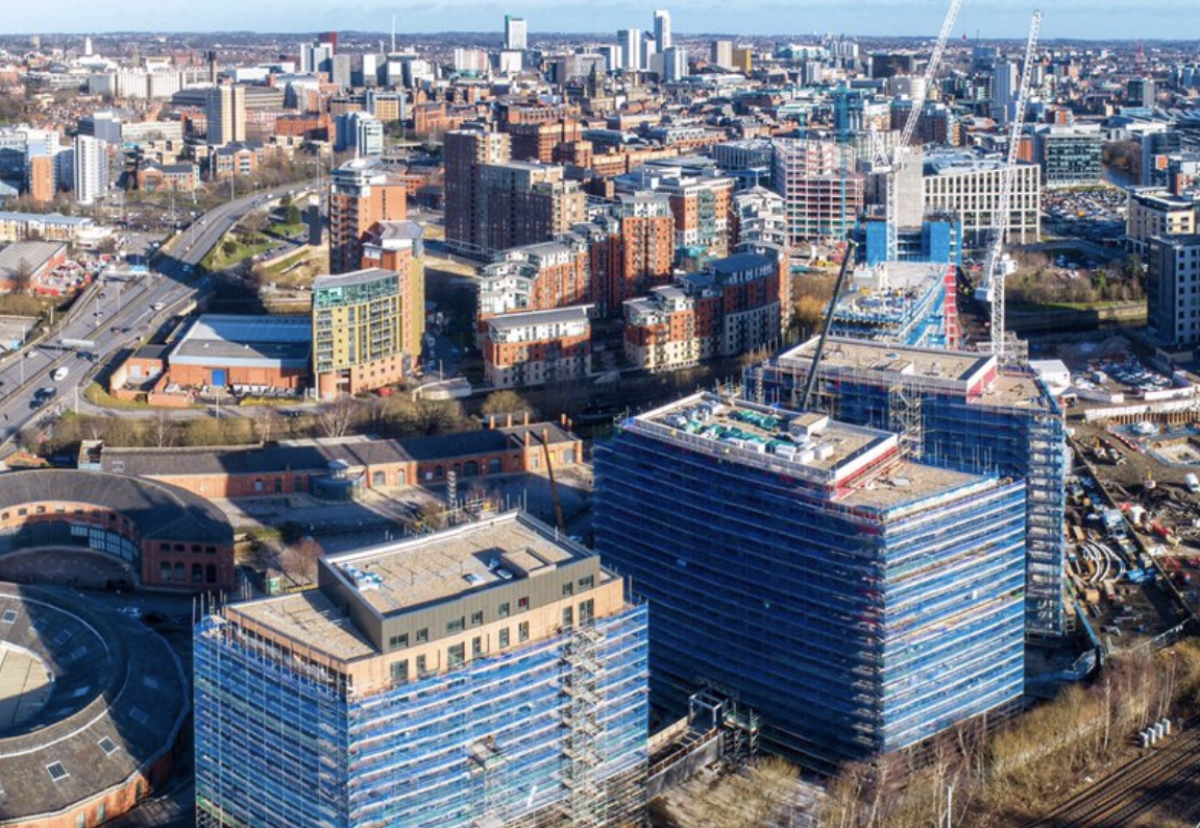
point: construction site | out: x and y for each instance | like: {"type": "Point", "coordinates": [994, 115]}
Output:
{"type": "Point", "coordinates": [490, 674]}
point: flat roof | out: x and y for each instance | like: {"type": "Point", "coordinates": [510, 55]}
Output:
{"type": "Point", "coordinates": [574, 313]}
{"type": "Point", "coordinates": [974, 376]}
{"type": "Point", "coordinates": [410, 574]}
{"type": "Point", "coordinates": [310, 617]}
{"type": "Point", "coordinates": [806, 445]}
{"type": "Point", "coordinates": [355, 277]}
{"type": "Point", "coordinates": [253, 341]}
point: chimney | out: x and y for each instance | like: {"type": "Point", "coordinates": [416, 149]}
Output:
{"type": "Point", "coordinates": [526, 418]}
{"type": "Point", "coordinates": [491, 421]}
{"type": "Point", "coordinates": [509, 420]}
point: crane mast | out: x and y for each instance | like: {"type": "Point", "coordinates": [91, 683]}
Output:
{"type": "Point", "coordinates": [994, 275]}
{"type": "Point", "coordinates": [910, 128]}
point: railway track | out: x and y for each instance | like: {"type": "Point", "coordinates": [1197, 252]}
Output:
{"type": "Point", "coordinates": [1135, 789]}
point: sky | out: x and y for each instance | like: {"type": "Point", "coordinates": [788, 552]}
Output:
{"type": "Point", "coordinates": [1088, 19]}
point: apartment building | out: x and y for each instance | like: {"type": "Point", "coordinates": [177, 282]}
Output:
{"type": "Point", "coordinates": [538, 348]}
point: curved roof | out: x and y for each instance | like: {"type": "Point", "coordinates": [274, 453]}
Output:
{"type": "Point", "coordinates": [118, 702]}
{"type": "Point", "coordinates": [160, 510]}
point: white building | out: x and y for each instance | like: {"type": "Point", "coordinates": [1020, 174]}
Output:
{"type": "Point", "coordinates": [967, 185]}
{"type": "Point", "coordinates": [675, 64]}
{"type": "Point", "coordinates": [91, 169]}
{"type": "Point", "coordinates": [516, 33]}
{"type": "Point", "coordinates": [662, 29]}
{"type": "Point", "coordinates": [630, 41]}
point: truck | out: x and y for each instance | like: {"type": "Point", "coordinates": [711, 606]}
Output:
{"type": "Point", "coordinates": [60, 373]}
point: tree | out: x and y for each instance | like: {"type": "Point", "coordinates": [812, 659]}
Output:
{"type": "Point", "coordinates": [162, 430]}
{"type": "Point", "coordinates": [506, 402]}
{"type": "Point", "coordinates": [266, 419]}
{"type": "Point", "coordinates": [22, 276]}
{"type": "Point", "coordinates": [291, 215]}
{"type": "Point", "coordinates": [335, 419]}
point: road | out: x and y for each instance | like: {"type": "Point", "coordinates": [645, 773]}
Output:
{"type": "Point", "coordinates": [113, 315]}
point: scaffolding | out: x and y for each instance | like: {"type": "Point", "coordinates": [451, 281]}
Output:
{"type": "Point", "coordinates": [552, 731]}
{"type": "Point", "coordinates": [941, 423]}
{"type": "Point", "coordinates": [581, 686]}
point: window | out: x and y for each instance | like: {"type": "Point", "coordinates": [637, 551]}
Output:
{"type": "Point", "coordinates": [587, 611]}
{"type": "Point", "coordinates": [278, 485]}
{"type": "Point", "coordinates": [101, 813]}
{"type": "Point", "coordinates": [57, 771]}
{"type": "Point", "coordinates": [455, 655]}
{"type": "Point", "coordinates": [422, 635]}
{"type": "Point", "coordinates": [197, 574]}
{"type": "Point", "coordinates": [476, 618]}
{"type": "Point", "coordinates": [503, 637]}
{"type": "Point", "coordinates": [41, 510]}
{"type": "Point", "coordinates": [400, 671]}
{"type": "Point", "coordinates": [210, 574]}
{"type": "Point", "coordinates": [421, 669]}
{"type": "Point", "coordinates": [476, 647]}
{"type": "Point", "coordinates": [398, 642]}
{"type": "Point", "coordinates": [523, 631]}
{"type": "Point", "coordinates": [179, 571]}
{"type": "Point", "coordinates": [502, 612]}
{"type": "Point", "coordinates": [568, 617]}
{"type": "Point", "coordinates": [81, 820]}
{"type": "Point", "coordinates": [587, 583]}
{"type": "Point", "coordinates": [523, 603]}
{"type": "Point", "coordinates": [568, 588]}
{"type": "Point", "coordinates": [378, 479]}
{"type": "Point", "coordinates": [108, 746]}
{"type": "Point", "coordinates": [455, 625]}
{"type": "Point", "coordinates": [9, 617]}
{"type": "Point", "coordinates": [258, 486]}
{"type": "Point", "coordinates": [164, 571]}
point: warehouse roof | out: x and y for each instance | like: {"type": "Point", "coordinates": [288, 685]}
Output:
{"type": "Point", "coordinates": [246, 341]}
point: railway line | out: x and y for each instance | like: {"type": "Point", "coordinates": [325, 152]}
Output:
{"type": "Point", "coordinates": [1136, 789]}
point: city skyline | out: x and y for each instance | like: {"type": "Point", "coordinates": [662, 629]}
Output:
{"type": "Point", "coordinates": [1071, 19]}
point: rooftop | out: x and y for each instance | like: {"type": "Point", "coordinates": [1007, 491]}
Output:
{"type": "Point", "coordinates": [413, 573]}
{"type": "Point", "coordinates": [356, 277]}
{"type": "Point", "coordinates": [577, 313]}
{"type": "Point", "coordinates": [310, 617]}
{"type": "Point", "coordinates": [272, 341]}
{"type": "Point", "coordinates": [31, 254]}
{"type": "Point", "coordinates": [809, 446]}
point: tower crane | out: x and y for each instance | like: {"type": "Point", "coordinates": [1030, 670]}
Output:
{"type": "Point", "coordinates": [994, 269]}
{"type": "Point", "coordinates": [910, 127]}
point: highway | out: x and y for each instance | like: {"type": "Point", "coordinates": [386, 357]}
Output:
{"type": "Point", "coordinates": [113, 315]}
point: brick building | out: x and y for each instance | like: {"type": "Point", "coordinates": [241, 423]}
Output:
{"type": "Point", "coordinates": [299, 466]}
{"type": "Point", "coordinates": [538, 348]}
{"type": "Point", "coordinates": [361, 193]}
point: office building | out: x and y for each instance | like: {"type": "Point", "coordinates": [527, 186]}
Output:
{"type": "Point", "coordinates": [1173, 290]}
{"type": "Point", "coordinates": [1070, 156]}
{"type": "Point", "coordinates": [361, 193]}
{"type": "Point", "coordinates": [721, 54]}
{"type": "Point", "coordinates": [490, 674]}
{"type": "Point", "coordinates": [358, 336]}
{"type": "Point", "coordinates": [361, 132]}
{"type": "Point", "coordinates": [822, 197]}
{"type": "Point", "coordinates": [630, 41]}
{"type": "Point", "coordinates": [225, 110]}
{"type": "Point", "coordinates": [1006, 78]}
{"type": "Point", "coordinates": [1141, 92]}
{"type": "Point", "coordinates": [858, 602]}
{"type": "Point", "coordinates": [966, 185]}
{"type": "Point", "coordinates": [675, 64]}
{"type": "Point", "coordinates": [90, 169]}
{"type": "Point", "coordinates": [958, 410]}
{"type": "Point", "coordinates": [516, 34]}
{"type": "Point", "coordinates": [662, 30]}
{"type": "Point", "coordinates": [466, 152]}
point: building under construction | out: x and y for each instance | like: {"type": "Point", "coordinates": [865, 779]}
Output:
{"type": "Point", "coordinates": [488, 675]}
{"type": "Point", "coordinates": [804, 569]}
{"type": "Point", "coordinates": [907, 303]}
{"type": "Point", "coordinates": [954, 410]}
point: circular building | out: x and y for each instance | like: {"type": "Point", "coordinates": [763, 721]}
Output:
{"type": "Point", "coordinates": [161, 536]}
{"type": "Point", "coordinates": [92, 705]}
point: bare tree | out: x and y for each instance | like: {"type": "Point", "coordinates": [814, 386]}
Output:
{"type": "Point", "coordinates": [266, 419]}
{"type": "Point", "coordinates": [162, 430]}
{"type": "Point", "coordinates": [336, 418]}
{"type": "Point", "coordinates": [22, 276]}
